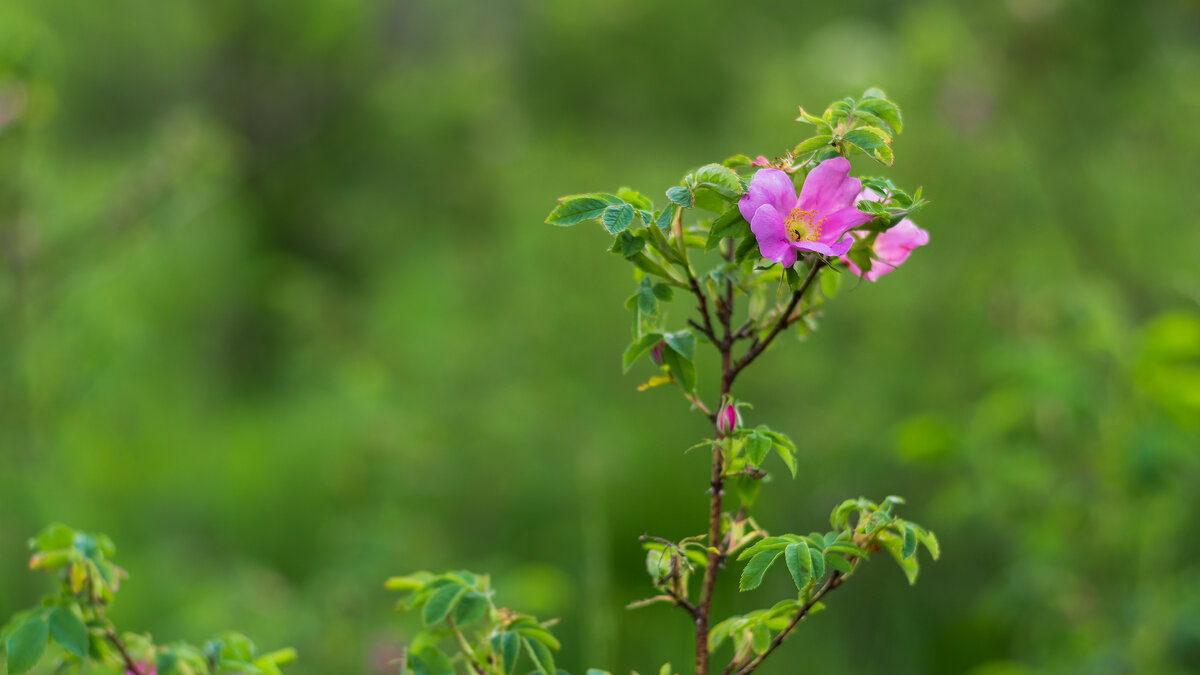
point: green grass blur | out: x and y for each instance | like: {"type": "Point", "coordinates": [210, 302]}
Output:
{"type": "Point", "coordinates": [281, 317]}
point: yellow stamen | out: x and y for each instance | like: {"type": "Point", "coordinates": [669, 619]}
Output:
{"type": "Point", "coordinates": [802, 225]}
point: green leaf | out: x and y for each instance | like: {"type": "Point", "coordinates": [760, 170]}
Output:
{"type": "Point", "coordinates": [748, 488]}
{"type": "Point", "coordinates": [508, 646]}
{"type": "Point", "coordinates": [838, 562]}
{"type": "Point", "coordinates": [719, 179]}
{"type": "Point", "coordinates": [814, 143]}
{"type": "Point", "coordinates": [841, 514]}
{"type": "Point", "coordinates": [807, 118]}
{"type": "Point", "coordinates": [728, 224]}
{"type": "Point", "coordinates": [746, 249]}
{"type": "Point", "coordinates": [860, 253]}
{"type": "Point", "coordinates": [720, 632]}
{"type": "Point", "coordinates": [760, 638]}
{"type": "Point", "coordinates": [752, 576]}
{"type": "Point", "coordinates": [931, 543]}
{"type": "Point", "coordinates": [839, 111]}
{"type": "Point", "coordinates": [575, 209]}
{"type": "Point", "coordinates": [637, 199]}
{"type": "Point", "coordinates": [784, 446]}
{"type": "Point", "coordinates": [166, 663]}
{"type": "Point", "coordinates": [472, 607]}
{"type": "Point", "coordinates": [664, 219]}
{"type": "Point", "coordinates": [541, 635]}
{"type": "Point", "coordinates": [757, 447]}
{"type": "Point", "coordinates": [642, 262]}
{"type": "Point", "coordinates": [710, 200]}
{"type": "Point", "coordinates": [628, 245]}
{"type": "Point", "coordinates": [831, 279]}
{"type": "Point", "coordinates": [887, 157]}
{"type": "Point", "coordinates": [893, 543]}
{"type": "Point", "coordinates": [279, 656]}
{"type": "Point", "coordinates": [236, 647]}
{"type": "Point", "coordinates": [681, 368]}
{"type": "Point", "coordinates": [646, 303]}
{"type": "Point", "coordinates": [540, 653]}
{"type": "Point", "coordinates": [884, 109]}
{"type": "Point", "coordinates": [68, 630]}
{"type": "Point", "coordinates": [799, 564]}
{"type": "Point", "coordinates": [431, 661]}
{"type": "Point", "coordinates": [734, 161]}
{"type": "Point", "coordinates": [409, 583]}
{"type": "Point", "coordinates": [682, 342]}
{"type": "Point", "coordinates": [441, 602]}
{"type": "Point", "coordinates": [909, 546]}
{"type": "Point", "coordinates": [638, 349]}
{"type": "Point", "coordinates": [788, 455]}
{"type": "Point", "coordinates": [846, 548]}
{"type": "Point", "coordinates": [617, 218]}
{"type": "Point", "coordinates": [784, 609]}
{"type": "Point", "coordinates": [765, 544]}
{"type": "Point", "coordinates": [868, 138]}
{"type": "Point", "coordinates": [26, 645]}
{"type": "Point", "coordinates": [681, 196]}
{"type": "Point", "coordinates": [818, 564]}
{"type": "Point", "coordinates": [54, 537]}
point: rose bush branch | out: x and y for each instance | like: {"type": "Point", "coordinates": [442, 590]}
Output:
{"type": "Point", "coordinates": [760, 246]}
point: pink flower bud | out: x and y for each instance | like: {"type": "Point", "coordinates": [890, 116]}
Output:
{"type": "Point", "coordinates": [656, 353]}
{"type": "Point", "coordinates": [144, 668]}
{"type": "Point", "coordinates": [728, 420]}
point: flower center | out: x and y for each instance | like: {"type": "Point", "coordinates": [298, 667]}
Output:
{"type": "Point", "coordinates": [803, 225]}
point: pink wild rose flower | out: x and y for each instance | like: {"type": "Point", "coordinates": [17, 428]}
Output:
{"type": "Point", "coordinates": [891, 247]}
{"type": "Point", "coordinates": [817, 220]}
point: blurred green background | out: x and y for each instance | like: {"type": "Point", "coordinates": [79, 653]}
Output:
{"type": "Point", "coordinates": [280, 315]}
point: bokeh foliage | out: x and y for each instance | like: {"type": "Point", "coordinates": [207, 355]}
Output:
{"type": "Point", "coordinates": [279, 305]}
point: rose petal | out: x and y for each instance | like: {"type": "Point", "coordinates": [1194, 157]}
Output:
{"type": "Point", "coordinates": [829, 187]}
{"type": "Point", "coordinates": [892, 247]}
{"type": "Point", "coordinates": [773, 241]}
{"type": "Point", "coordinates": [878, 269]}
{"type": "Point", "coordinates": [836, 224]}
{"type": "Point", "coordinates": [768, 186]}
{"type": "Point", "coordinates": [894, 244]}
{"type": "Point", "coordinates": [831, 250]}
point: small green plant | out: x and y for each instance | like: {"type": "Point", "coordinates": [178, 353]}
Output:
{"type": "Point", "coordinates": [458, 606]}
{"type": "Point", "coordinates": [74, 618]}
{"type": "Point", "coordinates": [761, 245]}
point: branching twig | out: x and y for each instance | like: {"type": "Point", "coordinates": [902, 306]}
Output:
{"type": "Point", "coordinates": [782, 322]}
{"type": "Point", "coordinates": [466, 647]}
{"type": "Point", "coordinates": [745, 330]}
{"type": "Point", "coordinates": [130, 664]}
{"type": "Point", "coordinates": [702, 298]}
{"type": "Point", "coordinates": [667, 596]}
{"type": "Point", "coordinates": [700, 405]}
{"type": "Point", "coordinates": [833, 582]}
{"type": "Point", "coordinates": [669, 593]}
